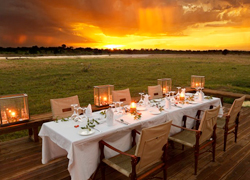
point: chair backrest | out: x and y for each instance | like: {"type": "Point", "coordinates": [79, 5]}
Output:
{"type": "Point", "coordinates": [235, 109]}
{"type": "Point", "coordinates": [151, 142]}
{"type": "Point", "coordinates": [207, 124]}
{"type": "Point", "coordinates": [122, 95]}
{"type": "Point", "coordinates": [155, 92]}
{"type": "Point", "coordinates": [61, 108]}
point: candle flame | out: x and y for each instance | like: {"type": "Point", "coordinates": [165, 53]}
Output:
{"type": "Point", "coordinates": [133, 105]}
{"type": "Point", "coordinates": [13, 114]}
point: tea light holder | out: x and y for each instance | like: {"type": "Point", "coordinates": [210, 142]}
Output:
{"type": "Point", "coordinates": [103, 95]}
{"type": "Point", "coordinates": [14, 109]}
{"type": "Point", "coordinates": [197, 81]}
{"type": "Point", "coordinates": [132, 107]}
{"type": "Point", "coordinates": [166, 84]}
{"type": "Point", "coordinates": [182, 97]}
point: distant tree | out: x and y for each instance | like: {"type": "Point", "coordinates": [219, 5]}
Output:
{"type": "Point", "coordinates": [225, 52]}
{"type": "Point", "coordinates": [64, 46]}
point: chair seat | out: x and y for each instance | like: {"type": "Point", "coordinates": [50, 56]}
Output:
{"type": "Point", "coordinates": [185, 137]}
{"type": "Point", "coordinates": [122, 163]}
{"type": "Point", "coordinates": [221, 123]}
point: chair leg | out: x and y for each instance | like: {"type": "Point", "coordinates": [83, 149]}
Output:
{"type": "Point", "coordinates": [165, 172]}
{"type": "Point", "coordinates": [102, 166]}
{"type": "Point", "coordinates": [235, 133]}
{"type": "Point", "coordinates": [225, 139]}
{"type": "Point", "coordinates": [196, 156]}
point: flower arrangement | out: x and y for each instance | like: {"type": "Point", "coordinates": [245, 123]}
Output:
{"type": "Point", "coordinates": [90, 124]}
{"type": "Point", "coordinates": [137, 115]}
{"type": "Point", "coordinates": [103, 113]}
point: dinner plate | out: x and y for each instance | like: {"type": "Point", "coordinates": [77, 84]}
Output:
{"type": "Point", "coordinates": [86, 132]}
{"type": "Point", "coordinates": [155, 112]}
{"type": "Point", "coordinates": [192, 102]}
{"type": "Point", "coordinates": [141, 108]}
{"type": "Point", "coordinates": [157, 100]}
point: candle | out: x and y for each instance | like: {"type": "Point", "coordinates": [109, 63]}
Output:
{"type": "Point", "coordinates": [13, 114]}
{"type": "Point", "coordinates": [105, 100]}
{"type": "Point", "coordinates": [182, 97]}
{"type": "Point", "coordinates": [164, 90]}
{"type": "Point", "coordinates": [132, 107]}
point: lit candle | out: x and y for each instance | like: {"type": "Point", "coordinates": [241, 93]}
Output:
{"type": "Point", "coordinates": [105, 100]}
{"type": "Point", "coordinates": [132, 107]}
{"type": "Point", "coordinates": [13, 114]}
{"type": "Point", "coordinates": [164, 90]}
{"type": "Point", "coordinates": [182, 97]}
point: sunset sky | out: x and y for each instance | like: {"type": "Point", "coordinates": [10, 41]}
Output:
{"type": "Point", "coordinates": [124, 24]}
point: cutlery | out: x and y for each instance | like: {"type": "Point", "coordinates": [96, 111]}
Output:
{"type": "Point", "coordinates": [96, 129]}
{"type": "Point", "coordinates": [122, 121]}
{"type": "Point", "coordinates": [177, 106]}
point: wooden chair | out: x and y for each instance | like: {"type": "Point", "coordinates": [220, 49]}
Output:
{"type": "Point", "coordinates": [201, 138]}
{"type": "Point", "coordinates": [61, 108]}
{"type": "Point", "coordinates": [147, 157]}
{"type": "Point", "coordinates": [155, 92]}
{"type": "Point", "coordinates": [122, 95]}
{"type": "Point", "coordinates": [230, 122]}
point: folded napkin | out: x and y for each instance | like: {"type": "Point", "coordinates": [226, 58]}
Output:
{"type": "Point", "coordinates": [167, 103]}
{"type": "Point", "coordinates": [146, 99]}
{"type": "Point", "coordinates": [110, 117]}
{"type": "Point", "coordinates": [89, 111]}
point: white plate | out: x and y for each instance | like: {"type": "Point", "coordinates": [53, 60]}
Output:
{"type": "Point", "coordinates": [155, 112]}
{"type": "Point", "coordinates": [86, 132]}
{"type": "Point", "coordinates": [192, 102]}
{"type": "Point", "coordinates": [102, 121]}
{"type": "Point", "coordinates": [141, 108]}
{"type": "Point", "coordinates": [157, 100]}
{"type": "Point", "coordinates": [188, 94]}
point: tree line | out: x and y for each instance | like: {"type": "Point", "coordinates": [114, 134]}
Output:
{"type": "Point", "coordinates": [64, 50]}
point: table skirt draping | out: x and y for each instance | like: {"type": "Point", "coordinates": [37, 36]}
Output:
{"type": "Point", "coordinates": [62, 138]}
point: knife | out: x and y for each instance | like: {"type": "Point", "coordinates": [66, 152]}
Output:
{"type": "Point", "coordinates": [122, 121]}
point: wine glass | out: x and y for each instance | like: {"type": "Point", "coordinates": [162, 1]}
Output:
{"type": "Point", "coordinates": [112, 105]}
{"type": "Point", "coordinates": [141, 101]}
{"type": "Point", "coordinates": [178, 93]}
{"type": "Point", "coordinates": [120, 106]}
{"type": "Point", "coordinates": [74, 115]}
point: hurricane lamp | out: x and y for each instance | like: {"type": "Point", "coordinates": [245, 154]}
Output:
{"type": "Point", "coordinates": [197, 81]}
{"type": "Point", "coordinates": [166, 84]}
{"type": "Point", "coordinates": [14, 109]}
{"type": "Point", "coordinates": [103, 95]}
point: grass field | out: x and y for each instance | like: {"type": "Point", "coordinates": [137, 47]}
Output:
{"type": "Point", "coordinates": [44, 79]}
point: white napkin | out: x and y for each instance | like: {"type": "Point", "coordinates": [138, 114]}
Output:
{"type": "Point", "coordinates": [167, 103]}
{"type": "Point", "coordinates": [110, 117]}
{"type": "Point", "coordinates": [146, 99]}
{"type": "Point", "coordinates": [201, 96]}
{"type": "Point", "coordinates": [89, 111]}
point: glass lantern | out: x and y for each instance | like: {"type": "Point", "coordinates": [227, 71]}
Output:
{"type": "Point", "coordinates": [103, 95]}
{"type": "Point", "coordinates": [197, 81]}
{"type": "Point", "coordinates": [166, 84]}
{"type": "Point", "coordinates": [14, 109]}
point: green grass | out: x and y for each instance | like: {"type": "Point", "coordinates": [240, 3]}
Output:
{"type": "Point", "coordinates": [45, 79]}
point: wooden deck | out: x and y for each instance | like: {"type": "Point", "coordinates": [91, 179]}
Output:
{"type": "Point", "coordinates": [21, 159]}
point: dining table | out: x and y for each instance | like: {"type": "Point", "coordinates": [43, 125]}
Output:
{"type": "Point", "coordinates": [66, 137]}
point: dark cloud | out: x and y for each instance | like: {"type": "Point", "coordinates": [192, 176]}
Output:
{"type": "Point", "coordinates": [51, 22]}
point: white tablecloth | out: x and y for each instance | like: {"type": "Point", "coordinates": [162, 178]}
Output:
{"type": "Point", "coordinates": [62, 138]}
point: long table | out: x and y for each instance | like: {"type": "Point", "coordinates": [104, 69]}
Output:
{"type": "Point", "coordinates": [62, 138]}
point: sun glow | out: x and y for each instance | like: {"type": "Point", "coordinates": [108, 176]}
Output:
{"type": "Point", "coordinates": [112, 46]}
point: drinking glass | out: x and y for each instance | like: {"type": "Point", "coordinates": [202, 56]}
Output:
{"type": "Point", "coordinates": [74, 115]}
{"type": "Point", "coordinates": [120, 107]}
{"type": "Point", "coordinates": [178, 93]}
{"type": "Point", "coordinates": [141, 101]}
